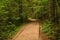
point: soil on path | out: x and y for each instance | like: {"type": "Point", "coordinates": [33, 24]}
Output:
{"type": "Point", "coordinates": [31, 32]}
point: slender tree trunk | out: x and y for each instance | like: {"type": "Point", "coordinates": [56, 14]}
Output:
{"type": "Point", "coordinates": [52, 15]}
{"type": "Point", "coordinates": [52, 8]}
{"type": "Point", "coordinates": [20, 11]}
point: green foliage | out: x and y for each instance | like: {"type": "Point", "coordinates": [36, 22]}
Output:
{"type": "Point", "coordinates": [15, 12]}
{"type": "Point", "coordinates": [48, 28]}
{"type": "Point", "coordinates": [10, 17]}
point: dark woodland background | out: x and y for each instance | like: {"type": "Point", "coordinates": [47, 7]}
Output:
{"type": "Point", "coordinates": [14, 13]}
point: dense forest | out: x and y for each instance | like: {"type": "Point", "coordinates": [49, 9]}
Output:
{"type": "Point", "coordinates": [13, 13]}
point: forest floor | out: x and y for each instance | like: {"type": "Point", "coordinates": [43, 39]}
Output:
{"type": "Point", "coordinates": [30, 32]}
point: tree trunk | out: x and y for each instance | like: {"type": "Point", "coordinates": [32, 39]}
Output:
{"type": "Point", "coordinates": [52, 16]}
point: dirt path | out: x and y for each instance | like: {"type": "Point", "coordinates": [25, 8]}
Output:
{"type": "Point", "coordinates": [31, 32]}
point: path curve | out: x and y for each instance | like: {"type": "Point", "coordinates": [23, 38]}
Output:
{"type": "Point", "coordinates": [30, 32]}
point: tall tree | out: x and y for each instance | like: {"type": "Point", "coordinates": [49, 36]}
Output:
{"type": "Point", "coordinates": [53, 17]}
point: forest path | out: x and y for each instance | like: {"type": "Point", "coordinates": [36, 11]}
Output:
{"type": "Point", "coordinates": [30, 32]}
